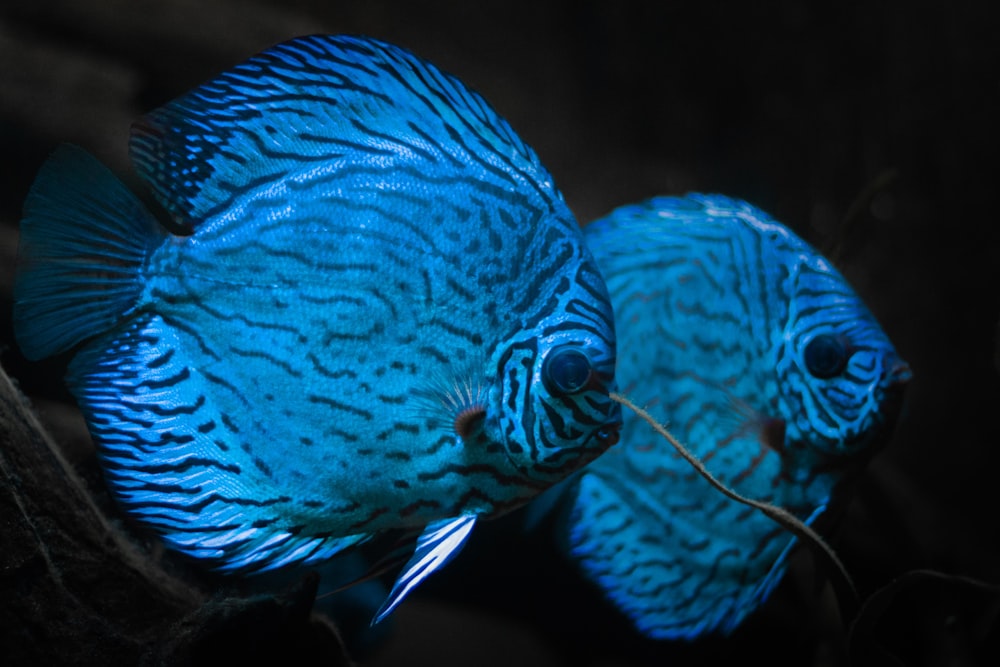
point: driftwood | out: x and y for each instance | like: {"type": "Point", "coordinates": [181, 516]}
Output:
{"type": "Point", "coordinates": [74, 590]}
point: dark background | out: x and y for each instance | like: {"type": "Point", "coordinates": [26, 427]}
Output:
{"type": "Point", "coordinates": [868, 127]}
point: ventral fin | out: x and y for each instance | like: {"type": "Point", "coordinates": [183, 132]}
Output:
{"type": "Point", "coordinates": [437, 545]}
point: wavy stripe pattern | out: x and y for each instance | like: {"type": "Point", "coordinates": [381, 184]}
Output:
{"type": "Point", "coordinates": [717, 309]}
{"type": "Point", "coordinates": [368, 251]}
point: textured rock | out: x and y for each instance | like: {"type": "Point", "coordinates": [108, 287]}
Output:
{"type": "Point", "coordinates": [73, 590]}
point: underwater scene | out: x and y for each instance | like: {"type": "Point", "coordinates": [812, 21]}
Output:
{"type": "Point", "coordinates": [509, 334]}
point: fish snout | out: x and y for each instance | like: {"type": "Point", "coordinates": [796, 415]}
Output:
{"type": "Point", "coordinates": [610, 432]}
{"type": "Point", "coordinates": [898, 375]}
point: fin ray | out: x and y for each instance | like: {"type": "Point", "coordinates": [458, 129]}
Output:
{"type": "Point", "coordinates": [84, 240]}
{"type": "Point", "coordinates": [437, 545]}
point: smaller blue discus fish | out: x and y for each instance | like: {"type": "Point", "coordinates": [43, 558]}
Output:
{"type": "Point", "coordinates": [760, 358]}
{"type": "Point", "coordinates": [376, 315]}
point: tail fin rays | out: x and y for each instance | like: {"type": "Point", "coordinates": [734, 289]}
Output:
{"type": "Point", "coordinates": [84, 240]}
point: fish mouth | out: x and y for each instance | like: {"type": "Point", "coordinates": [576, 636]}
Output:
{"type": "Point", "coordinates": [890, 407]}
{"type": "Point", "coordinates": [893, 385]}
{"type": "Point", "coordinates": [609, 434]}
{"type": "Point", "coordinates": [898, 376]}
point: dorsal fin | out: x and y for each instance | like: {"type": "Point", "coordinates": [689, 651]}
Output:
{"type": "Point", "coordinates": [315, 101]}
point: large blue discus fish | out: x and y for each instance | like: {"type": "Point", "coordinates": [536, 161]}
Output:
{"type": "Point", "coordinates": [375, 313]}
{"type": "Point", "coordinates": [758, 356]}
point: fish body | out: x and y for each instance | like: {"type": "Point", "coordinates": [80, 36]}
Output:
{"type": "Point", "coordinates": [759, 357]}
{"type": "Point", "coordinates": [369, 314]}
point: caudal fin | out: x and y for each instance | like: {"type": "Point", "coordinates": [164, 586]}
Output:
{"type": "Point", "coordinates": [84, 240]}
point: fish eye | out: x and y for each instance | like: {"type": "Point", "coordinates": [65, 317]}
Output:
{"type": "Point", "coordinates": [566, 370]}
{"type": "Point", "coordinates": [826, 356]}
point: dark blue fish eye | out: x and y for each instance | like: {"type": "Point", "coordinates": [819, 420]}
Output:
{"type": "Point", "coordinates": [566, 370]}
{"type": "Point", "coordinates": [826, 356]}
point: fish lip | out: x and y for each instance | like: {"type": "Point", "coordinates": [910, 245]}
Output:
{"type": "Point", "coordinates": [893, 396]}
{"type": "Point", "coordinates": [612, 431]}
{"type": "Point", "coordinates": [899, 374]}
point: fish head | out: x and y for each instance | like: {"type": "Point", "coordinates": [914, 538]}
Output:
{"type": "Point", "coordinates": [552, 398]}
{"type": "Point", "coordinates": [842, 377]}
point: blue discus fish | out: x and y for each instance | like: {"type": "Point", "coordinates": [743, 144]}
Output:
{"type": "Point", "coordinates": [765, 363]}
{"type": "Point", "coordinates": [375, 312]}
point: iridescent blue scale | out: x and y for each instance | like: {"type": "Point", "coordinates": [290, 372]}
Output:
{"type": "Point", "coordinates": [356, 332]}
{"type": "Point", "coordinates": [757, 354]}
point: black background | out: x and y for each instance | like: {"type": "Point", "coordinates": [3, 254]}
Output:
{"type": "Point", "coordinates": [804, 109]}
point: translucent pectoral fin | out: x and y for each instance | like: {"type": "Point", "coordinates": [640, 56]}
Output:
{"type": "Point", "coordinates": [437, 545]}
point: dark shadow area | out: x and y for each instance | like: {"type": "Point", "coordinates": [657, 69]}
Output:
{"type": "Point", "coordinates": [868, 128]}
